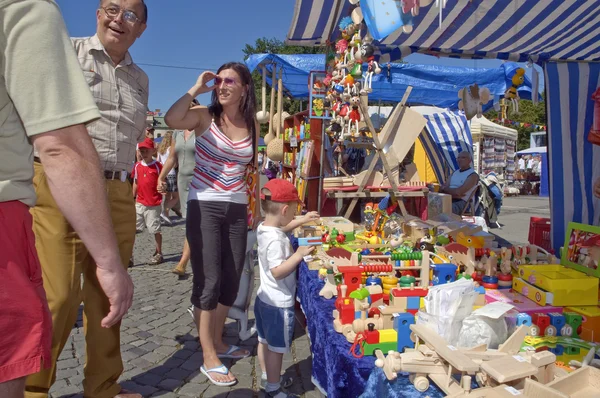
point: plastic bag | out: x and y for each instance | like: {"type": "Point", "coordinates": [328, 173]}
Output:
{"type": "Point", "coordinates": [485, 326]}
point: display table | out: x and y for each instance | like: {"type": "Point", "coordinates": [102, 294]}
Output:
{"type": "Point", "coordinates": [334, 370]}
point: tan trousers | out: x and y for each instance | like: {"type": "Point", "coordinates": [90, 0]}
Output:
{"type": "Point", "coordinates": [65, 260]}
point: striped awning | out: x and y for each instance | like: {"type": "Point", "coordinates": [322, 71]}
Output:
{"type": "Point", "coordinates": [574, 161]}
{"type": "Point", "coordinates": [447, 135]}
{"type": "Point", "coordinates": [516, 30]}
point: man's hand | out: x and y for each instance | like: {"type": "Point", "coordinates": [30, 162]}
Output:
{"type": "Point", "coordinates": [597, 188]}
{"type": "Point", "coordinates": [118, 288]}
{"type": "Point", "coordinates": [310, 216]}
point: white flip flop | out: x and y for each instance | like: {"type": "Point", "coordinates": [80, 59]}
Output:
{"type": "Point", "coordinates": [220, 370]}
{"type": "Point", "coordinates": [230, 351]}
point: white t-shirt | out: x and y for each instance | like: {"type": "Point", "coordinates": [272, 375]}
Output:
{"type": "Point", "coordinates": [162, 158]}
{"type": "Point", "coordinates": [274, 247]}
{"type": "Point", "coordinates": [521, 164]}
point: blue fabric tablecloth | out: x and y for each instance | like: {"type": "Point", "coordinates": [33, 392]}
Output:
{"type": "Point", "coordinates": [334, 370]}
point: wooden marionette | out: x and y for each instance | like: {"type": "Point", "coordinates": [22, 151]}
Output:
{"type": "Point", "coordinates": [368, 55]}
{"type": "Point", "coordinates": [354, 116]}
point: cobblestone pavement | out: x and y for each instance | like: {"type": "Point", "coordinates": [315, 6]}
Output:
{"type": "Point", "coordinates": [159, 342]}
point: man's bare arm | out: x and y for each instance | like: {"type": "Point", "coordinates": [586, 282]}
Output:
{"type": "Point", "coordinates": [72, 169]}
{"type": "Point", "coordinates": [471, 181]}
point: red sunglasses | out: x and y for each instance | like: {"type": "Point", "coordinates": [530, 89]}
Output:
{"type": "Point", "coordinates": [228, 81]}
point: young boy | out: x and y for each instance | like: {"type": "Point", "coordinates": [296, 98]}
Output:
{"type": "Point", "coordinates": [274, 305]}
{"type": "Point", "coordinates": [148, 200]}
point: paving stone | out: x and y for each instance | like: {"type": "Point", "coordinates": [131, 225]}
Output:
{"type": "Point", "coordinates": [149, 346]}
{"type": "Point", "coordinates": [143, 335]}
{"type": "Point", "coordinates": [153, 357]}
{"type": "Point", "coordinates": [214, 391]}
{"type": "Point", "coordinates": [193, 390]}
{"type": "Point", "coordinates": [138, 343]}
{"type": "Point", "coordinates": [67, 363]}
{"type": "Point", "coordinates": [170, 384]}
{"type": "Point", "coordinates": [178, 374]}
{"type": "Point", "coordinates": [183, 354]}
{"type": "Point", "coordinates": [148, 379]}
{"type": "Point", "coordinates": [191, 364]}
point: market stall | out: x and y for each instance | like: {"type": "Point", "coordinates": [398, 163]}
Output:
{"type": "Point", "coordinates": [420, 324]}
{"type": "Point", "coordinates": [494, 149]}
{"type": "Point", "coordinates": [542, 177]}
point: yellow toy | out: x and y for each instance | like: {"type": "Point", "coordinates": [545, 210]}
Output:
{"type": "Point", "coordinates": [511, 93]}
{"type": "Point", "coordinates": [476, 242]}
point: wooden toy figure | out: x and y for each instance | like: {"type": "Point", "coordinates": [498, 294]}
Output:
{"type": "Point", "coordinates": [367, 53]}
{"type": "Point", "coordinates": [511, 93]}
{"type": "Point", "coordinates": [354, 116]}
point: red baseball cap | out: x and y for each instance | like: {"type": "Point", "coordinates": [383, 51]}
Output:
{"type": "Point", "coordinates": [147, 143]}
{"type": "Point", "coordinates": [281, 191]}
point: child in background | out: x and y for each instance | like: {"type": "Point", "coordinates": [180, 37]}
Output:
{"type": "Point", "coordinates": [274, 305]}
{"type": "Point", "coordinates": [148, 200]}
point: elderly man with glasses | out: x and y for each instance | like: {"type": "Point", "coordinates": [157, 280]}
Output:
{"type": "Point", "coordinates": [120, 90]}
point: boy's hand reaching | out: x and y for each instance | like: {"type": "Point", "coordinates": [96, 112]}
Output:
{"type": "Point", "coordinates": [310, 216]}
{"type": "Point", "coordinates": [305, 250]}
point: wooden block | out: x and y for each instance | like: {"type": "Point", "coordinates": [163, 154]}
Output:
{"type": "Point", "coordinates": [543, 358]}
{"type": "Point", "coordinates": [438, 203]}
{"type": "Point", "coordinates": [533, 389]}
{"type": "Point", "coordinates": [582, 383]}
{"type": "Point", "coordinates": [450, 354]}
{"type": "Point", "coordinates": [508, 369]}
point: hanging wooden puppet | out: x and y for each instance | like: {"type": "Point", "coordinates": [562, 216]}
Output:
{"type": "Point", "coordinates": [472, 99]}
{"type": "Point", "coordinates": [368, 54]}
{"type": "Point", "coordinates": [511, 93]}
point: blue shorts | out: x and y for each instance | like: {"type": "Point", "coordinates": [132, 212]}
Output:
{"type": "Point", "coordinates": [274, 326]}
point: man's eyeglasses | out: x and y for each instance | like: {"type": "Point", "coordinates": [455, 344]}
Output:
{"type": "Point", "coordinates": [227, 80]}
{"type": "Point", "coordinates": [128, 16]}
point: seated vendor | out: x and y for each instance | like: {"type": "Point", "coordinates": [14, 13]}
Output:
{"type": "Point", "coordinates": [461, 183]}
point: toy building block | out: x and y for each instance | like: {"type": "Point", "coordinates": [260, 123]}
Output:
{"type": "Point", "coordinates": [558, 321]}
{"type": "Point", "coordinates": [402, 324]}
{"type": "Point", "coordinates": [363, 323]}
{"type": "Point", "coordinates": [524, 319]}
{"type": "Point", "coordinates": [507, 369]}
{"type": "Point", "coordinates": [388, 336]}
{"type": "Point", "coordinates": [369, 349]}
{"type": "Point", "coordinates": [575, 321]}
{"type": "Point", "coordinates": [534, 389]}
{"type": "Point", "coordinates": [443, 273]}
{"type": "Point", "coordinates": [372, 334]}
{"type": "Point", "coordinates": [584, 382]}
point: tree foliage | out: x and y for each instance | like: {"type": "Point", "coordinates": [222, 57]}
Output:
{"type": "Point", "coordinates": [528, 113]}
{"type": "Point", "coordinates": [275, 46]}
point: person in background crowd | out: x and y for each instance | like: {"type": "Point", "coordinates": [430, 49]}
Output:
{"type": "Point", "coordinates": [261, 158]}
{"type": "Point", "coordinates": [120, 89]}
{"type": "Point", "coordinates": [521, 163]}
{"type": "Point", "coordinates": [461, 183]}
{"type": "Point", "coordinates": [529, 166]}
{"type": "Point", "coordinates": [181, 156]}
{"type": "Point", "coordinates": [172, 195]}
{"type": "Point", "coordinates": [217, 222]}
{"type": "Point", "coordinates": [148, 199]}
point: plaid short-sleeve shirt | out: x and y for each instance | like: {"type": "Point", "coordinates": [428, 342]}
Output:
{"type": "Point", "coordinates": [121, 94]}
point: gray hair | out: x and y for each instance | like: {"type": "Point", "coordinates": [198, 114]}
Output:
{"type": "Point", "coordinates": [466, 153]}
{"type": "Point", "coordinates": [145, 19]}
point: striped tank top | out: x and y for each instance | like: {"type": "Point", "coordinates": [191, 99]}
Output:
{"type": "Point", "coordinates": [220, 171]}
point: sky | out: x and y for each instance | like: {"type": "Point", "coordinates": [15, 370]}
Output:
{"type": "Point", "coordinates": [197, 35]}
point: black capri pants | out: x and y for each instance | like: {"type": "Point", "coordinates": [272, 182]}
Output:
{"type": "Point", "coordinates": [216, 232]}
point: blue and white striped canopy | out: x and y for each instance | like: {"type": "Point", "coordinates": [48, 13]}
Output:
{"type": "Point", "coordinates": [516, 30]}
{"type": "Point", "coordinates": [448, 135]}
{"type": "Point", "coordinates": [574, 162]}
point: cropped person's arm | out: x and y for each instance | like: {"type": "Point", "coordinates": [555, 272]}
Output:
{"type": "Point", "coordinates": [46, 85]}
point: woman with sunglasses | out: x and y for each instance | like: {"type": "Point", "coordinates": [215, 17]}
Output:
{"type": "Point", "coordinates": [217, 218]}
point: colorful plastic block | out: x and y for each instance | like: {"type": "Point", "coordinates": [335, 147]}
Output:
{"type": "Point", "coordinates": [574, 320]}
{"type": "Point", "coordinates": [571, 350]}
{"type": "Point", "coordinates": [590, 328]}
{"type": "Point", "coordinates": [559, 350]}
{"type": "Point", "coordinates": [413, 303]}
{"type": "Point", "coordinates": [558, 321]}
{"type": "Point", "coordinates": [388, 336]}
{"type": "Point", "coordinates": [523, 319]}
